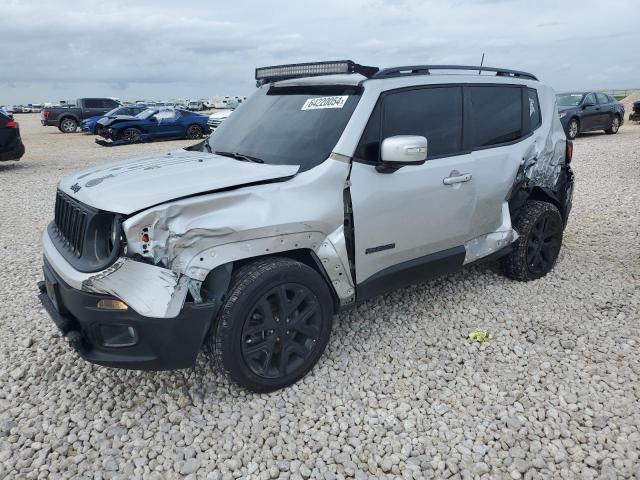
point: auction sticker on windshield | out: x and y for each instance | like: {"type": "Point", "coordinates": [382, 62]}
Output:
{"type": "Point", "coordinates": [325, 102]}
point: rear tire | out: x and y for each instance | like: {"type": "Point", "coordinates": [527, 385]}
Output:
{"type": "Point", "coordinates": [535, 252]}
{"type": "Point", "coordinates": [573, 129]}
{"type": "Point", "coordinates": [68, 125]}
{"type": "Point", "coordinates": [615, 126]}
{"type": "Point", "coordinates": [274, 324]}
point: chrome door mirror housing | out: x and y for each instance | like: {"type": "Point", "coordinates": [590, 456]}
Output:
{"type": "Point", "coordinates": [402, 150]}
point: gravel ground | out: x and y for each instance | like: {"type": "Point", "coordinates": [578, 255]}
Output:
{"type": "Point", "coordinates": [400, 392]}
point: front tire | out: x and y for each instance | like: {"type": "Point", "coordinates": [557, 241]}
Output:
{"type": "Point", "coordinates": [615, 125]}
{"type": "Point", "coordinates": [274, 324]}
{"type": "Point", "coordinates": [194, 132]}
{"type": "Point", "coordinates": [131, 135]}
{"type": "Point", "coordinates": [573, 129]}
{"type": "Point", "coordinates": [68, 125]}
{"type": "Point", "coordinates": [535, 252]}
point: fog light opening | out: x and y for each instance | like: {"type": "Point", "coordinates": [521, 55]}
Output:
{"type": "Point", "coordinates": [118, 336]}
{"type": "Point", "coordinates": [112, 304]}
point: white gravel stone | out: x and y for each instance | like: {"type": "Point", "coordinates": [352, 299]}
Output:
{"type": "Point", "coordinates": [399, 393]}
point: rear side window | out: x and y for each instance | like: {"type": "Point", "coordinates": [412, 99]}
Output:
{"type": "Point", "coordinates": [496, 115]}
{"type": "Point", "coordinates": [534, 109]}
{"type": "Point", "coordinates": [602, 98]}
{"type": "Point", "coordinates": [93, 103]}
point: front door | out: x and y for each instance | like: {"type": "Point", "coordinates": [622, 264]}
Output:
{"type": "Point", "coordinates": [412, 213]}
{"type": "Point", "coordinates": [590, 118]}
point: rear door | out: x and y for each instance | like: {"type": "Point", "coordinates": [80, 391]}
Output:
{"type": "Point", "coordinates": [606, 110]}
{"type": "Point", "coordinates": [92, 107]}
{"type": "Point", "coordinates": [406, 216]}
{"type": "Point", "coordinates": [590, 114]}
{"type": "Point", "coordinates": [496, 127]}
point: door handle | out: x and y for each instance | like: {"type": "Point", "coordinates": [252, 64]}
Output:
{"type": "Point", "coordinates": [456, 177]}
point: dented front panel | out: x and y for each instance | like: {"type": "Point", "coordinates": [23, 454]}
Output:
{"type": "Point", "coordinates": [194, 235]}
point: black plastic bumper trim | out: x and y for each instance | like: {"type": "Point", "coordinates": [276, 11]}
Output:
{"type": "Point", "coordinates": [163, 343]}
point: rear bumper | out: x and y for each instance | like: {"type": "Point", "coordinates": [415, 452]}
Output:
{"type": "Point", "coordinates": [49, 123]}
{"type": "Point", "coordinates": [124, 338]}
{"type": "Point", "coordinates": [15, 151]}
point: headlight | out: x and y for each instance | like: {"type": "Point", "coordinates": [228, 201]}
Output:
{"type": "Point", "coordinates": [562, 114]}
{"type": "Point", "coordinates": [115, 233]}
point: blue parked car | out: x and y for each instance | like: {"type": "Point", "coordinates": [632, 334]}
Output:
{"type": "Point", "coordinates": [154, 124]}
{"type": "Point", "coordinates": [91, 125]}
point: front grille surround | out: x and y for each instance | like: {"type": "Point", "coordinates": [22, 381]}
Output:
{"type": "Point", "coordinates": [83, 235]}
{"type": "Point", "coordinates": [70, 219]}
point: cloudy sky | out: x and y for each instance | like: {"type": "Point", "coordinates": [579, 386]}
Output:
{"type": "Point", "coordinates": [157, 49]}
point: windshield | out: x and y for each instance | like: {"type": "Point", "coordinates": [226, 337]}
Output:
{"type": "Point", "coordinates": [569, 99]}
{"type": "Point", "coordinates": [287, 125]}
{"type": "Point", "coordinates": [113, 112]}
{"type": "Point", "coordinates": [146, 113]}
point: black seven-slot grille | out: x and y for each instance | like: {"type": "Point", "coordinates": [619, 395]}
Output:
{"type": "Point", "coordinates": [71, 223]}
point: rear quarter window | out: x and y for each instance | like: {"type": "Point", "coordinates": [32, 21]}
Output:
{"type": "Point", "coordinates": [535, 118]}
{"type": "Point", "coordinates": [496, 115]}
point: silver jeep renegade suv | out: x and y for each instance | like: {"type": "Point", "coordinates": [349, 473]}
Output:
{"type": "Point", "coordinates": [333, 183]}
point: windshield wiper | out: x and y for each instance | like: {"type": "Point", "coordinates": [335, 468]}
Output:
{"type": "Point", "coordinates": [240, 156]}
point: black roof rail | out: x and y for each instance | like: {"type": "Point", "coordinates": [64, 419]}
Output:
{"type": "Point", "coordinates": [426, 70]}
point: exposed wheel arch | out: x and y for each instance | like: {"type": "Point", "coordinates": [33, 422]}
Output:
{"type": "Point", "coordinates": [217, 281]}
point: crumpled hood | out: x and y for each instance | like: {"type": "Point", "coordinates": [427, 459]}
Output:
{"type": "Point", "coordinates": [106, 121]}
{"type": "Point", "coordinates": [133, 185]}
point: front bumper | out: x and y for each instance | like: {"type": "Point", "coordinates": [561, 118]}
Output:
{"type": "Point", "coordinates": [124, 338]}
{"type": "Point", "coordinates": [634, 116]}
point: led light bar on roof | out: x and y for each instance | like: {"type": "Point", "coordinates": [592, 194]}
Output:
{"type": "Point", "coordinates": [299, 70]}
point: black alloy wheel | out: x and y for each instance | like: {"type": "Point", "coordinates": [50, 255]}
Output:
{"type": "Point", "coordinates": [131, 135]}
{"type": "Point", "coordinates": [534, 254]}
{"type": "Point", "coordinates": [273, 325]}
{"type": "Point", "coordinates": [282, 331]}
{"type": "Point", "coordinates": [544, 243]}
{"type": "Point", "coordinates": [194, 132]}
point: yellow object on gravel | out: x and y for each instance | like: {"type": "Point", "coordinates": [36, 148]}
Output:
{"type": "Point", "coordinates": [480, 336]}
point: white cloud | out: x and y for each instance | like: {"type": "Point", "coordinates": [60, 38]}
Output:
{"type": "Point", "coordinates": [162, 49]}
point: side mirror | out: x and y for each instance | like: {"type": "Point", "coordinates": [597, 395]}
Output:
{"type": "Point", "coordinates": [403, 150]}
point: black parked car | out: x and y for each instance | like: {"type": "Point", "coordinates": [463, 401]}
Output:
{"type": "Point", "coordinates": [635, 115]}
{"type": "Point", "coordinates": [588, 111]}
{"type": "Point", "coordinates": [11, 147]}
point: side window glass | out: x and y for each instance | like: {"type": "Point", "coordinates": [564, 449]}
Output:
{"type": "Point", "coordinates": [591, 98]}
{"type": "Point", "coordinates": [92, 103]}
{"type": "Point", "coordinates": [369, 146]}
{"type": "Point", "coordinates": [602, 98]}
{"type": "Point", "coordinates": [496, 115]}
{"type": "Point", "coordinates": [434, 113]}
{"type": "Point", "coordinates": [534, 109]}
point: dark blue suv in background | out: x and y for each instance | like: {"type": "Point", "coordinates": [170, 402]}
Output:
{"type": "Point", "coordinates": [588, 111]}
